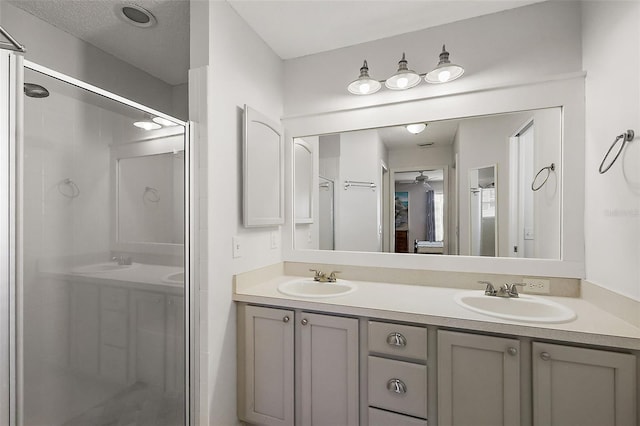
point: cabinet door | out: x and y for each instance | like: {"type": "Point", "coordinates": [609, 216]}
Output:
{"type": "Point", "coordinates": [148, 313]}
{"type": "Point", "coordinates": [265, 366]}
{"type": "Point", "coordinates": [329, 370]}
{"type": "Point", "coordinates": [85, 328]}
{"type": "Point", "coordinates": [175, 351]}
{"type": "Point", "coordinates": [478, 380]}
{"type": "Point", "coordinates": [577, 386]}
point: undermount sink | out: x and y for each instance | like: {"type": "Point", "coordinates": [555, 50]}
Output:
{"type": "Point", "coordinates": [102, 267]}
{"type": "Point", "coordinates": [310, 288]}
{"type": "Point", "coordinates": [174, 278]}
{"type": "Point", "coordinates": [524, 308]}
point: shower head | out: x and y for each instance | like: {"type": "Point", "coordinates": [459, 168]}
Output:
{"type": "Point", "coordinates": [35, 91]}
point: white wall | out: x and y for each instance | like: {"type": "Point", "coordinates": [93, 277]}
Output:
{"type": "Point", "coordinates": [494, 49]}
{"type": "Point", "coordinates": [241, 70]}
{"type": "Point", "coordinates": [611, 35]}
{"type": "Point", "coordinates": [53, 48]}
{"type": "Point", "coordinates": [358, 216]}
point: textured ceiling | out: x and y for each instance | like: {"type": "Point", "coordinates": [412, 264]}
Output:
{"type": "Point", "coordinates": [162, 50]}
{"type": "Point", "coordinates": [304, 27]}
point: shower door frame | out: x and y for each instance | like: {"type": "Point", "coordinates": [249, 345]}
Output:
{"type": "Point", "coordinates": [14, 116]}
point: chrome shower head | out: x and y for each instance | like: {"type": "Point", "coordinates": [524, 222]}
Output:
{"type": "Point", "coordinates": [35, 90]}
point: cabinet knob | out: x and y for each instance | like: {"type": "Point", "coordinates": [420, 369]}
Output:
{"type": "Point", "coordinates": [545, 356]}
{"type": "Point", "coordinates": [396, 386]}
{"type": "Point", "coordinates": [285, 319]}
{"type": "Point", "coordinates": [304, 321]}
{"type": "Point", "coordinates": [396, 339]}
{"type": "Point", "coordinates": [512, 351]}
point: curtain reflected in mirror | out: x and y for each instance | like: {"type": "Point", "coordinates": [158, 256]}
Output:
{"type": "Point", "coordinates": [482, 214]}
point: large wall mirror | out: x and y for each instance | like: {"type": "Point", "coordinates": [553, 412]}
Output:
{"type": "Point", "coordinates": [464, 186]}
{"type": "Point", "coordinates": [148, 192]}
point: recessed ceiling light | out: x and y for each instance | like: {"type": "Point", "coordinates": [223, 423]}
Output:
{"type": "Point", "coordinates": [135, 15]}
{"type": "Point", "coordinates": [164, 122]}
{"type": "Point", "coordinates": [147, 125]}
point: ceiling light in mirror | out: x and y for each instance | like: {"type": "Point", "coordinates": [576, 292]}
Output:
{"type": "Point", "coordinates": [445, 71]}
{"type": "Point", "coordinates": [136, 15]}
{"type": "Point", "coordinates": [147, 125]}
{"type": "Point", "coordinates": [416, 128]}
{"type": "Point", "coordinates": [364, 85]}
{"type": "Point", "coordinates": [404, 78]}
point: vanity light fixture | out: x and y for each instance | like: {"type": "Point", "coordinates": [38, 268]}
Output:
{"type": "Point", "coordinates": [364, 85]}
{"type": "Point", "coordinates": [445, 71]}
{"type": "Point", "coordinates": [416, 128]}
{"type": "Point", "coordinates": [405, 78]}
{"type": "Point", "coordinates": [147, 125]}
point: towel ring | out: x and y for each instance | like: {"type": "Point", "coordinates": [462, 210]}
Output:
{"type": "Point", "coordinates": [625, 137]}
{"type": "Point", "coordinates": [71, 185]}
{"type": "Point", "coordinates": [549, 169]}
{"type": "Point", "coordinates": [150, 194]}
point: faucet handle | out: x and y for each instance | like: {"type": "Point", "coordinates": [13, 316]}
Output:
{"type": "Point", "coordinates": [513, 289]}
{"type": "Point", "coordinates": [318, 274]}
{"type": "Point", "coordinates": [332, 276]}
{"type": "Point", "coordinates": [489, 289]}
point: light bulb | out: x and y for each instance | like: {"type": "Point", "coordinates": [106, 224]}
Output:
{"type": "Point", "coordinates": [364, 88]}
{"type": "Point", "coordinates": [402, 82]}
{"type": "Point", "coordinates": [147, 125]}
{"type": "Point", "coordinates": [444, 76]}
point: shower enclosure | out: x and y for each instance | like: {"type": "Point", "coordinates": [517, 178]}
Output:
{"type": "Point", "coordinates": [95, 295]}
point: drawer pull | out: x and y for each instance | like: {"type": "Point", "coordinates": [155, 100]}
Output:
{"type": "Point", "coordinates": [304, 321]}
{"type": "Point", "coordinates": [396, 339]}
{"type": "Point", "coordinates": [512, 351]}
{"type": "Point", "coordinates": [285, 319]}
{"type": "Point", "coordinates": [545, 356]}
{"type": "Point", "coordinates": [396, 386]}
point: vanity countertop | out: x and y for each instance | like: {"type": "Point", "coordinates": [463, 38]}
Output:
{"type": "Point", "coordinates": [141, 276]}
{"type": "Point", "coordinates": [436, 306]}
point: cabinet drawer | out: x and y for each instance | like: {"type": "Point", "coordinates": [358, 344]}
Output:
{"type": "Point", "coordinates": [114, 299]}
{"type": "Point", "coordinates": [399, 340]}
{"type": "Point", "coordinates": [409, 379]}
{"type": "Point", "coordinates": [386, 418]}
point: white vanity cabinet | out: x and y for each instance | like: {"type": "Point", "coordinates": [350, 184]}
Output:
{"type": "Point", "coordinates": [317, 370]}
{"type": "Point", "coordinates": [478, 380]}
{"type": "Point", "coordinates": [578, 386]}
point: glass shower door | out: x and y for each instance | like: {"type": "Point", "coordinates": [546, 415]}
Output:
{"type": "Point", "coordinates": [102, 280]}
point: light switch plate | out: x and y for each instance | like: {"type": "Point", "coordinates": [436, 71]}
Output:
{"type": "Point", "coordinates": [275, 237]}
{"type": "Point", "coordinates": [237, 247]}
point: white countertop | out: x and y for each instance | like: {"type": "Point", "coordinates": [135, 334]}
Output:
{"type": "Point", "coordinates": [436, 306]}
{"type": "Point", "coordinates": [141, 276]}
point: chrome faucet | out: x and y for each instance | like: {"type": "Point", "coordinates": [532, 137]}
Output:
{"type": "Point", "coordinates": [324, 278]}
{"type": "Point", "coordinates": [505, 290]}
{"type": "Point", "coordinates": [122, 260]}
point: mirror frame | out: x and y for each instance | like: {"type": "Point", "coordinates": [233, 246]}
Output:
{"type": "Point", "coordinates": [160, 145]}
{"type": "Point", "coordinates": [565, 91]}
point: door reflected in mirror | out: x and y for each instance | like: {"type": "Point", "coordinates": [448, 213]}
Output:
{"type": "Point", "coordinates": [483, 217]}
{"type": "Point", "coordinates": [441, 194]}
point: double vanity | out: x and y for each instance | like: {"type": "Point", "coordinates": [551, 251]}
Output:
{"type": "Point", "coordinates": [382, 353]}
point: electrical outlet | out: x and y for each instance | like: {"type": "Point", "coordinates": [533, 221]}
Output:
{"type": "Point", "coordinates": [274, 239]}
{"type": "Point", "coordinates": [536, 285]}
{"type": "Point", "coordinates": [237, 247]}
{"type": "Point", "coordinates": [309, 237]}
